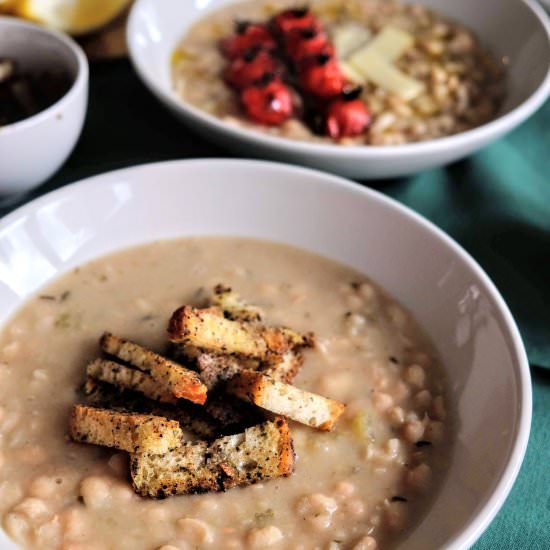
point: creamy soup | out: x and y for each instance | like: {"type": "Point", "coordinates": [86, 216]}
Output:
{"type": "Point", "coordinates": [361, 486]}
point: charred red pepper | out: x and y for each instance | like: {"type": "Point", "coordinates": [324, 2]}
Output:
{"type": "Point", "coordinates": [294, 19]}
{"type": "Point", "coordinates": [244, 71]}
{"type": "Point", "coordinates": [247, 36]}
{"type": "Point", "coordinates": [321, 77]}
{"type": "Point", "coordinates": [347, 116]}
{"type": "Point", "coordinates": [268, 102]}
{"type": "Point", "coordinates": [301, 44]}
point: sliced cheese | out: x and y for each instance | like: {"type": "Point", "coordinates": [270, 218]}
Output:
{"type": "Point", "coordinates": [375, 68]}
{"type": "Point", "coordinates": [351, 73]}
{"type": "Point", "coordinates": [390, 43]}
{"type": "Point", "coordinates": [348, 37]}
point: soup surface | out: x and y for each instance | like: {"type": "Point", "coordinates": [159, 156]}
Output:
{"type": "Point", "coordinates": [433, 77]}
{"type": "Point", "coordinates": [360, 486]}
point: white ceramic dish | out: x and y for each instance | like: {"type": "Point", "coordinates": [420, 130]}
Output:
{"type": "Point", "coordinates": [446, 290]}
{"type": "Point", "coordinates": [516, 29]}
{"type": "Point", "coordinates": [32, 149]}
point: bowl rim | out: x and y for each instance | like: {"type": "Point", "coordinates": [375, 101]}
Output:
{"type": "Point", "coordinates": [429, 147]}
{"type": "Point", "coordinates": [77, 86]}
{"type": "Point", "coordinates": [500, 491]}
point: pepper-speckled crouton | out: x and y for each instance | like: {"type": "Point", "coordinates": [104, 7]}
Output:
{"type": "Point", "coordinates": [234, 307]}
{"type": "Point", "coordinates": [285, 368]}
{"type": "Point", "coordinates": [130, 379]}
{"type": "Point", "coordinates": [194, 420]}
{"type": "Point", "coordinates": [299, 405]}
{"type": "Point", "coordinates": [130, 432]}
{"type": "Point", "coordinates": [259, 453]}
{"type": "Point", "coordinates": [204, 329]}
{"type": "Point", "coordinates": [181, 382]}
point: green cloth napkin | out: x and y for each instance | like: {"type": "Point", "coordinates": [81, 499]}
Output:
{"type": "Point", "coordinates": [523, 523]}
{"type": "Point", "coordinates": [496, 204]}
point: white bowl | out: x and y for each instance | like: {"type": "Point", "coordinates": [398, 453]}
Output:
{"type": "Point", "coordinates": [32, 149]}
{"type": "Point", "coordinates": [423, 268]}
{"type": "Point", "coordinates": [517, 29]}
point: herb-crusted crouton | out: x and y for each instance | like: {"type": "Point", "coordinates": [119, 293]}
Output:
{"type": "Point", "coordinates": [299, 405]}
{"type": "Point", "coordinates": [234, 307]}
{"type": "Point", "coordinates": [259, 453]}
{"type": "Point", "coordinates": [194, 420]}
{"type": "Point", "coordinates": [206, 330]}
{"type": "Point", "coordinates": [181, 382]}
{"type": "Point", "coordinates": [130, 432]}
{"type": "Point", "coordinates": [126, 378]}
{"type": "Point", "coordinates": [285, 368]}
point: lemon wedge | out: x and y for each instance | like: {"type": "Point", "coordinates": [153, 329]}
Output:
{"type": "Point", "coordinates": [72, 16]}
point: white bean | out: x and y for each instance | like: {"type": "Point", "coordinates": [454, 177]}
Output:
{"type": "Point", "coordinates": [344, 489]}
{"type": "Point", "coordinates": [17, 527]}
{"type": "Point", "coordinates": [434, 431]}
{"type": "Point", "coordinates": [195, 531]}
{"type": "Point", "coordinates": [413, 431]}
{"type": "Point", "coordinates": [317, 509]}
{"type": "Point", "coordinates": [44, 487]}
{"type": "Point", "coordinates": [422, 359]}
{"type": "Point", "coordinates": [423, 399]}
{"type": "Point", "coordinates": [415, 376]}
{"type": "Point", "coordinates": [382, 401]}
{"type": "Point", "coordinates": [74, 523]}
{"type": "Point", "coordinates": [367, 291]}
{"type": "Point", "coordinates": [95, 491]}
{"type": "Point", "coordinates": [396, 416]}
{"type": "Point", "coordinates": [355, 508]}
{"type": "Point", "coordinates": [47, 535]}
{"type": "Point", "coordinates": [33, 508]}
{"type": "Point", "coordinates": [392, 448]}
{"type": "Point", "coordinates": [264, 537]}
{"type": "Point", "coordinates": [365, 543]}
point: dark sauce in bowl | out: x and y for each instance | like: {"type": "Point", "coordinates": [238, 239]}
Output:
{"type": "Point", "coordinates": [24, 94]}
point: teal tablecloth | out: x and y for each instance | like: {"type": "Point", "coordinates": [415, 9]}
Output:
{"type": "Point", "coordinates": [495, 203]}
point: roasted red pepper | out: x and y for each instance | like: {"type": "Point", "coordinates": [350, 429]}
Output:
{"type": "Point", "coordinates": [268, 102]}
{"type": "Point", "coordinates": [347, 116]}
{"type": "Point", "coordinates": [244, 71]}
{"type": "Point", "coordinates": [320, 76]}
{"type": "Point", "coordinates": [294, 19]}
{"type": "Point", "coordinates": [247, 36]}
{"type": "Point", "coordinates": [301, 44]}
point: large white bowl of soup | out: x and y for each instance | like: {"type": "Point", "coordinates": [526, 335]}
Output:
{"type": "Point", "coordinates": [439, 80]}
{"type": "Point", "coordinates": [410, 335]}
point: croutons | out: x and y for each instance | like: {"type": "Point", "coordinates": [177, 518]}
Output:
{"type": "Point", "coordinates": [285, 368]}
{"type": "Point", "coordinates": [206, 330]}
{"type": "Point", "coordinates": [299, 405]}
{"type": "Point", "coordinates": [235, 435]}
{"type": "Point", "coordinates": [259, 453]}
{"type": "Point", "coordinates": [130, 432]}
{"type": "Point", "coordinates": [234, 307]}
{"type": "Point", "coordinates": [126, 378]}
{"type": "Point", "coordinates": [175, 379]}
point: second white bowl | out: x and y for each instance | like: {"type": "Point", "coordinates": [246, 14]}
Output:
{"type": "Point", "coordinates": [516, 29]}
